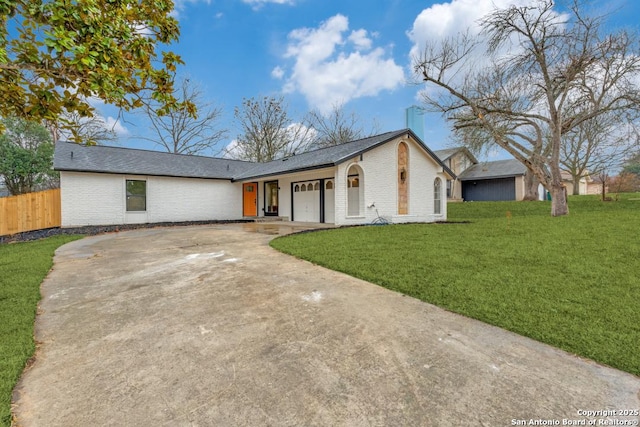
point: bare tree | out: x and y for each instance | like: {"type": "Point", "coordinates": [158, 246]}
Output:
{"type": "Point", "coordinates": [178, 130]}
{"type": "Point", "coordinates": [548, 74]}
{"type": "Point", "coordinates": [72, 126]}
{"type": "Point", "coordinates": [625, 182]}
{"type": "Point", "coordinates": [267, 131]}
{"type": "Point", "coordinates": [597, 145]}
{"type": "Point", "coordinates": [337, 127]}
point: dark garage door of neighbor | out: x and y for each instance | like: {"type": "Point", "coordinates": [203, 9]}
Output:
{"type": "Point", "coordinates": [489, 190]}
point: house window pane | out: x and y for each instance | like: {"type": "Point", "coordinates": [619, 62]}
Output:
{"type": "Point", "coordinates": [355, 191]}
{"type": "Point", "coordinates": [296, 188]}
{"type": "Point", "coordinates": [437, 196]}
{"type": "Point", "coordinates": [271, 200]}
{"type": "Point", "coordinates": [136, 195]}
{"type": "Point", "coordinates": [329, 185]}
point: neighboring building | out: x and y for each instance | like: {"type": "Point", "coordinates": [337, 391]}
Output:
{"type": "Point", "coordinates": [394, 175]}
{"type": "Point", "coordinates": [457, 159]}
{"type": "Point", "coordinates": [587, 185]}
{"type": "Point", "coordinates": [494, 181]}
{"type": "Point", "coordinates": [483, 181]}
{"type": "Point", "coordinates": [594, 185]}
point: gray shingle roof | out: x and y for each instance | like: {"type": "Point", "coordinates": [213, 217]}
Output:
{"type": "Point", "coordinates": [326, 157]}
{"type": "Point", "coordinates": [449, 152]}
{"type": "Point", "coordinates": [105, 159]}
{"type": "Point", "coordinates": [446, 153]}
{"type": "Point", "coordinates": [496, 169]}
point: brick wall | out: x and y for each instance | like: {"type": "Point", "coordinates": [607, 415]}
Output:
{"type": "Point", "coordinates": [100, 199]}
{"type": "Point", "coordinates": [381, 188]}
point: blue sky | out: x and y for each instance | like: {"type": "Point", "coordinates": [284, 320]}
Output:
{"type": "Point", "coordinates": [317, 53]}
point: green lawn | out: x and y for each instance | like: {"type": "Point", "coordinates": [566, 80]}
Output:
{"type": "Point", "coordinates": [572, 282]}
{"type": "Point", "coordinates": [23, 266]}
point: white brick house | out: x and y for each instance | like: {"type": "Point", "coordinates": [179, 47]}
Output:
{"type": "Point", "coordinates": [392, 175]}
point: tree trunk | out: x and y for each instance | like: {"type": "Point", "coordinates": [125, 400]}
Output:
{"type": "Point", "coordinates": [559, 204]}
{"type": "Point", "coordinates": [558, 191]}
{"type": "Point", "coordinates": [531, 184]}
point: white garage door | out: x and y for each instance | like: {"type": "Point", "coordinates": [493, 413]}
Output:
{"type": "Point", "coordinates": [306, 201]}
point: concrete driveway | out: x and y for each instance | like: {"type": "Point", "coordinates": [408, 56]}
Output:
{"type": "Point", "coordinates": [209, 326]}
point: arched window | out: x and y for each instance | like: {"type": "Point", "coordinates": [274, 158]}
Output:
{"type": "Point", "coordinates": [296, 188]}
{"type": "Point", "coordinates": [403, 178]}
{"type": "Point", "coordinates": [329, 185]}
{"type": "Point", "coordinates": [437, 196]}
{"type": "Point", "coordinates": [303, 187]}
{"type": "Point", "coordinates": [309, 187]}
{"type": "Point", "coordinates": [355, 191]}
{"type": "Point", "coordinates": [316, 186]}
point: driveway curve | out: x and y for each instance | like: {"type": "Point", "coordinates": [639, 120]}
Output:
{"type": "Point", "coordinates": [209, 326]}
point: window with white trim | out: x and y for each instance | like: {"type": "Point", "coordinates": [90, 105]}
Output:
{"type": "Point", "coordinates": [136, 195]}
{"type": "Point", "coordinates": [437, 196]}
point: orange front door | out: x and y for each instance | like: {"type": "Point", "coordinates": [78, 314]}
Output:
{"type": "Point", "coordinates": [250, 199]}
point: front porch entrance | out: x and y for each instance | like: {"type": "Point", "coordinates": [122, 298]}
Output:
{"type": "Point", "coordinates": [271, 198]}
{"type": "Point", "coordinates": [250, 199]}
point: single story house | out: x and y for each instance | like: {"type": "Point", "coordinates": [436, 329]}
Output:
{"type": "Point", "coordinates": [586, 184]}
{"type": "Point", "coordinates": [393, 174]}
{"type": "Point", "coordinates": [493, 181]}
{"type": "Point", "coordinates": [498, 180]}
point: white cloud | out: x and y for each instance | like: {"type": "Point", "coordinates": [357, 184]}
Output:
{"type": "Point", "coordinates": [449, 19]}
{"type": "Point", "coordinates": [179, 6]}
{"type": "Point", "coordinates": [329, 69]}
{"type": "Point", "coordinates": [257, 4]}
{"type": "Point", "coordinates": [360, 39]}
{"type": "Point", "coordinates": [116, 126]}
{"type": "Point", "coordinates": [232, 150]}
{"type": "Point", "coordinates": [277, 73]}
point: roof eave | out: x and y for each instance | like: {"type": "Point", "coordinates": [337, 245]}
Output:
{"type": "Point", "coordinates": [478, 178]}
{"type": "Point", "coordinates": [287, 172]}
{"type": "Point", "coordinates": [140, 174]}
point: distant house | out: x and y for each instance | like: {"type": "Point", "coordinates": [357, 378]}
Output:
{"type": "Point", "coordinates": [587, 184]}
{"type": "Point", "coordinates": [483, 181]}
{"type": "Point", "coordinates": [594, 185]}
{"type": "Point", "coordinates": [494, 181]}
{"type": "Point", "coordinates": [393, 174]}
{"type": "Point", "coordinates": [458, 159]}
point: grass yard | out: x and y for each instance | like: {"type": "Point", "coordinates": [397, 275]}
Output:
{"type": "Point", "coordinates": [23, 266]}
{"type": "Point", "coordinates": [572, 282]}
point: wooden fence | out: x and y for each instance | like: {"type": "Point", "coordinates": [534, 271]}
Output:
{"type": "Point", "coordinates": [32, 211]}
